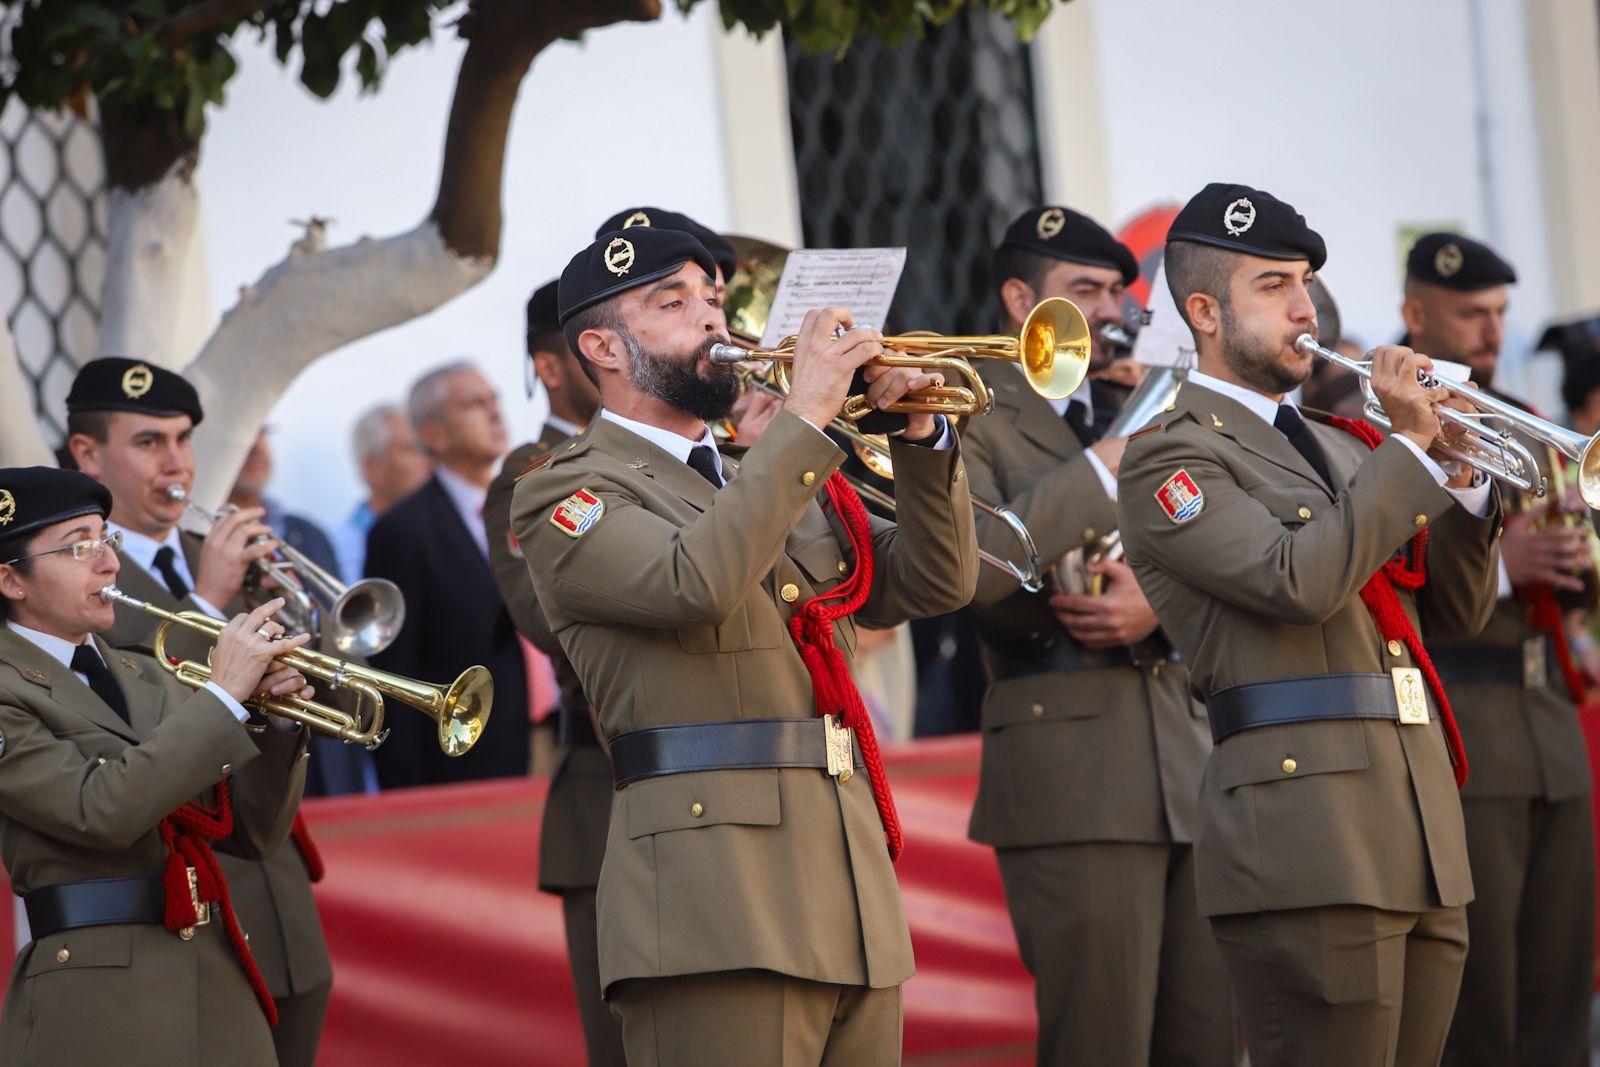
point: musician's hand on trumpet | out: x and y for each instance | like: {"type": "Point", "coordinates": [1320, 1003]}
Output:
{"type": "Point", "coordinates": [1408, 403]}
{"type": "Point", "coordinates": [1543, 554]}
{"type": "Point", "coordinates": [245, 661]}
{"type": "Point", "coordinates": [238, 539]}
{"type": "Point", "coordinates": [1119, 616]}
{"type": "Point", "coordinates": [827, 351]}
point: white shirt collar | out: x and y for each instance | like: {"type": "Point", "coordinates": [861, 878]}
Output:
{"type": "Point", "coordinates": [1264, 406]}
{"type": "Point", "coordinates": [556, 422]}
{"type": "Point", "coordinates": [57, 648]}
{"type": "Point", "coordinates": [1080, 394]}
{"type": "Point", "coordinates": [142, 549]}
{"type": "Point", "coordinates": [468, 499]}
{"type": "Point", "coordinates": [675, 445]}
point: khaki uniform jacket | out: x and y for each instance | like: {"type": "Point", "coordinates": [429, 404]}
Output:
{"type": "Point", "coordinates": [1264, 583]}
{"type": "Point", "coordinates": [1105, 752]}
{"type": "Point", "coordinates": [272, 897]}
{"type": "Point", "coordinates": [673, 608]}
{"type": "Point", "coordinates": [81, 794]}
{"type": "Point", "coordinates": [577, 808]}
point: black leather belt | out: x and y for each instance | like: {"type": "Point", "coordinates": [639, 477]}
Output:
{"type": "Point", "coordinates": [1330, 696]}
{"type": "Point", "coordinates": [1528, 664]}
{"type": "Point", "coordinates": [742, 744]}
{"type": "Point", "coordinates": [97, 902]}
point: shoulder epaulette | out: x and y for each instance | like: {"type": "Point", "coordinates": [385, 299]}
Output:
{"type": "Point", "coordinates": [1152, 428]}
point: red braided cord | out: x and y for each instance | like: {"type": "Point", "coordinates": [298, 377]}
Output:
{"type": "Point", "coordinates": [300, 833]}
{"type": "Point", "coordinates": [1545, 614]}
{"type": "Point", "coordinates": [188, 833]}
{"type": "Point", "coordinates": [1409, 572]}
{"type": "Point", "coordinates": [833, 689]}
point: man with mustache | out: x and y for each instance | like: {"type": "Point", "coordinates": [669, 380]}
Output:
{"type": "Point", "coordinates": [1285, 560]}
{"type": "Point", "coordinates": [1530, 827]}
{"type": "Point", "coordinates": [748, 912]}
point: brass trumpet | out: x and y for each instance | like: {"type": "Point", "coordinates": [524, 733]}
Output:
{"type": "Point", "coordinates": [1052, 348]}
{"type": "Point", "coordinates": [460, 709]}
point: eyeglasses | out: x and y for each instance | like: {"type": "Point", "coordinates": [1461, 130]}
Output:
{"type": "Point", "coordinates": [81, 550]}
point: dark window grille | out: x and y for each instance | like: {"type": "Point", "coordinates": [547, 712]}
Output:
{"type": "Point", "coordinates": [932, 145]}
{"type": "Point", "coordinates": [52, 249]}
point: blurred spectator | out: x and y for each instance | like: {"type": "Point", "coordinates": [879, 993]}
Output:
{"type": "Point", "coordinates": [1333, 389]}
{"type": "Point", "coordinates": [1580, 391]}
{"type": "Point", "coordinates": [393, 466]}
{"type": "Point", "coordinates": [335, 767]}
{"type": "Point", "coordinates": [433, 546]}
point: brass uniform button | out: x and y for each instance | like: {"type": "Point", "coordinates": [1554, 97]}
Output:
{"type": "Point", "coordinates": [1420, 521]}
{"type": "Point", "coordinates": [843, 567]}
{"type": "Point", "coordinates": [227, 769]}
{"type": "Point", "coordinates": [1088, 533]}
{"type": "Point", "coordinates": [1305, 512]}
{"type": "Point", "coordinates": [187, 933]}
{"type": "Point", "coordinates": [808, 478]}
{"type": "Point", "coordinates": [1395, 648]}
{"type": "Point", "coordinates": [1290, 766]}
{"type": "Point", "coordinates": [1037, 710]}
{"type": "Point", "coordinates": [697, 809]}
{"type": "Point", "coordinates": [99, 761]}
{"type": "Point", "coordinates": [790, 592]}
{"type": "Point", "coordinates": [62, 955]}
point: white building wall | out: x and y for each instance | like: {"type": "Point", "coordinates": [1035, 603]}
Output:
{"type": "Point", "coordinates": [629, 115]}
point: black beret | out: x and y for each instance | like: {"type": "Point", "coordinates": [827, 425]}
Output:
{"type": "Point", "coordinates": [1575, 340]}
{"type": "Point", "coordinates": [619, 260]}
{"type": "Point", "coordinates": [1062, 233]}
{"type": "Point", "coordinates": [1457, 262]}
{"type": "Point", "coordinates": [544, 315]}
{"type": "Point", "coordinates": [721, 249]}
{"type": "Point", "coordinates": [113, 383]}
{"type": "Point", "coordinates": [1248, 221]}
{"type": "Point", "coordinates": [34, 497]}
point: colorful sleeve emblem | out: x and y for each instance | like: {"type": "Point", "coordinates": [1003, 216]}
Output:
{"type": "Point", "coordinates": [576, 514]}
{"type": "Point", "coordinates": [1179, 497]}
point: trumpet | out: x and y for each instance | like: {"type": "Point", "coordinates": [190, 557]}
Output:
{"type": "Point", "coordinates": [460, 709]}
{"type": "Point", "coordinates": [360, 619]}
{"type": "Point", "coordinates": [1052, 348]}
{"type": "Point", "coordinates": [1485, 439]}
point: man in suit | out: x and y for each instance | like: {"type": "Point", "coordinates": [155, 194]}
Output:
{"type": "Point", "coordinates": [1284, 558]}
{"type": "Point", "coordinates": [1530, 828]}
{"type": "Point", "coordinates": [129, 427]}
{"type": "Point", "coordinates": [336, 767]}
{"type": "Point", "coordinates": [433, 546]}
{"type": "Point", "coordinates": [392, 466]}
{"type": "Point", "coordinates": [1092, 745]}
{"type": "Point", "coordinates": [747, 908]}
{"type": "Point", "coordinates": [98, 750]}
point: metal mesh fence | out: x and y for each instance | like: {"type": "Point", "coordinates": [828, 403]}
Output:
{"type": "Point", "coordinates": [52, 248]}
{"type": "Point", "coordinates": [932, 145]}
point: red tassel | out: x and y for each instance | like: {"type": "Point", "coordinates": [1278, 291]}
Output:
{"type": "Point", "coordinates": [1408, 571]}
{"type": "Point", "coordinates": [300, 833]}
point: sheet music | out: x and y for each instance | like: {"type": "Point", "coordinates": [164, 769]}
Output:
{"type": "Point", "coordinates": [861, 279]}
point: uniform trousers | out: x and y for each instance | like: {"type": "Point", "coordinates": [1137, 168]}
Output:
{"type": "Point", "coordinates": [602, 1034]}
{"type": "Point", "coordinates": [1525, 994]}
{"type": "Point", "coordinates": [299, 1031]}
{"type": "Point", "coordinates": [1344, 985]}
{"type": "Point", "coordinates": [749, 1018]}
{"type": "Point", "coordinates": [1125, 971]}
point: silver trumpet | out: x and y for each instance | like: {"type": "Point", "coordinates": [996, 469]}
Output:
{"type": "Point", "coordinates": [359, 619]}
{"type": "Point", "coordinates": [1486, 438]}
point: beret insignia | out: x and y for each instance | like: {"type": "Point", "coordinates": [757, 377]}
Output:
{"type": "Point", "coordinates": [8, 507]}
{"type": "Point", "coordinates": [1050, 223]}
{"type": "Point", "coordinates": [136, 381]}
{"type": "Point", "coordinates": [576, 514]}
{"type": "Point", "coordinates": [1180, 497]}
{"type": "Point", "coordinates": [1239, 216]}
{"type": "Point", "coordinates": [638, 218]}
{"type": "Point", "coordinates": [619, 256]}
{"type": "Point", "coordinates": [1448, 260]}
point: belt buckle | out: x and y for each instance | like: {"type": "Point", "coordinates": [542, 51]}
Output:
{"type": "Point", "coordinates": [1534, 668]}
{"type": "Point", "coordinates": [202, 911]}
{"type": "Point", "coordinates": [1410, 695]}
{"type": "Point", "coordinates": [841, 756]}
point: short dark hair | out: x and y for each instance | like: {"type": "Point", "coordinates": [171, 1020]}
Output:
{"type": "Point", "coordinates": [1027, 267]}
{"type": "Point", "coordinates": [546, 341]}
{"type": "Point", "coordinates": [1578, 383]}
{"type": "Point", "coordinates": [1196, 268]}
{"type": "Point", "coordinates": [601, 316]}
{"type": "Point", "coordinates": [23, 567]}
{"type": "Point", "coordinates": [95, 425]}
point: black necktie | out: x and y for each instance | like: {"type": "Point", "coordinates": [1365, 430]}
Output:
{"type": "Point", "coordinates": [1078, 418]}
{"type": "Point", "coordinates": [87, 662]}
{"type": "Point", "coordinates": [1292, 426]}
{"type": "Point", "coordinates": [705, 464]}
{"type": "Point", "coordinates": [169, 572]}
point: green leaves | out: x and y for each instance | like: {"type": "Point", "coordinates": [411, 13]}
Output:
{"type": "Point", "coordinates": [823, 24]}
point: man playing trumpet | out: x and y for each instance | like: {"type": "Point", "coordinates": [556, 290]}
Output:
{"type": "Point", "coordinates": [748, 912]}
{"type": "Point", "coordinates": [106, 764]}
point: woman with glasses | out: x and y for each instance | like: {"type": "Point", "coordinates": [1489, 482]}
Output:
{"type": "Point", "coordinates": [115, 781]}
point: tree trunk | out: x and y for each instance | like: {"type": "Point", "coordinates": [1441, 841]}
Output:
{"type": "Point", "coordinates": [21, 443]}
{"type": "Point", "coordinates": [317, 301]}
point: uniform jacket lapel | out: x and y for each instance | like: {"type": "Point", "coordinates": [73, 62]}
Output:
{"type": "Point", "coordinates": [145, 695]}
{"type": "Point", "coordinates": [1251, 431]}
{"type": "Point", "coordinates": [62, 685]}
{"type": "Point", "coordinates": [673, 475]}
{"type": "Point", "coordinates": [1033, 415]}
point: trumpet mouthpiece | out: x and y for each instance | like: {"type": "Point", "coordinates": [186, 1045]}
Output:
{"type": "Point", "coordinates": [723, 352]}
{"type": "Point", "coordinates": [176, 492]}
{"type": "Point", "coordinates": [110, 594]}
{"type": "Point", "coordinates": [1305, 343]}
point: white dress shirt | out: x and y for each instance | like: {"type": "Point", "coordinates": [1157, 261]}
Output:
{"type": "Point", "coordinates": [560, 425]}
{"type": "Point", "coordinates": [673, 444]}
{"type": "Point", "coordinates": [142, 549]}
{"type": "Point", "coordinates": [468, 499]}
{"type": "Point", "coordinates": [1474, 499]}
{"type": "Point", "coordinates": [61, 650]}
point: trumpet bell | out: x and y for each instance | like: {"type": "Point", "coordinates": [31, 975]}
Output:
{"type": "Point", "coordinates": [367, 617]}
{"type": "Point", "coordinates": [1053, 348]}
{"type": "Point", "coordinates": [873, 452]}
{"type": "Point", "coordinates": [464, 710]}
{"type": "Point", "coordinates": [1588, 465]}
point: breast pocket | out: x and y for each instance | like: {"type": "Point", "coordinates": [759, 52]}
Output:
{"type": "Point", "coordinates": [707, 798]}
{"type": "Point", "coordinates": [81, 949]}
{"type": "Point", "coordinates": [754, 624]}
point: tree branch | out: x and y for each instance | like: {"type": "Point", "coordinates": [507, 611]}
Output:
{"type": "Point", "coordinates": [202, 17]}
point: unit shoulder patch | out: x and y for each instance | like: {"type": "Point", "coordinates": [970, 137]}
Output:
{"type": "Point", "coordinates": [1180, 497]}
{"type": "Point", "coordinates": [578, 513]}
